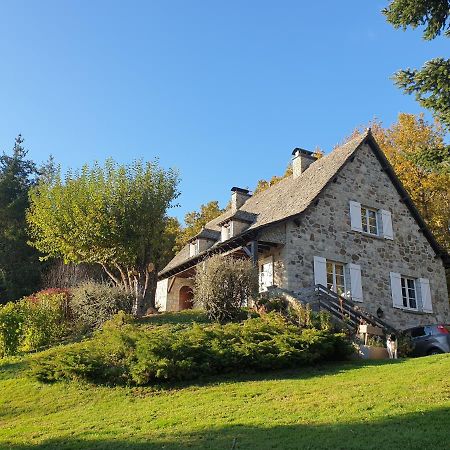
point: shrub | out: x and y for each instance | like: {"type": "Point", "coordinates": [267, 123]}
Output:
{"type": "Point", "coordinates": [296, 312]}
{"type": "Point", "coordinates": [47, 316]}
{"type": "Point", "coordinates": [11, 328]}
{"type": "Point", "coordinates": [126, 353]}
{"type": "Point", "coordinates": [223, 285]}
{"type": "Point", "coordinates": [34, 322]}
{"type": "Point", "coordinates": [95, 303]}
{"type": "Point", "coordinates": [266, 303]}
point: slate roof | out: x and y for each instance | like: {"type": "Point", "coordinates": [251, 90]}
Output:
{"type": "Point", "coordinates": [291, 196]}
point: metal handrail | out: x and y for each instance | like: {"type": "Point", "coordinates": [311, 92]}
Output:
{"type": "Point", "coordinates": [352, 308]}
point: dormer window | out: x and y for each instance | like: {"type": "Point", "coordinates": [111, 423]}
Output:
{"type": "Point", "coordinates": [194, 248]}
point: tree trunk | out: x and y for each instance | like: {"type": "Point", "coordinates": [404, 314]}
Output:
{"type": "Point", "coordinates": [144, 292]}
{"type": "Point", "coordinates": [139, 283]}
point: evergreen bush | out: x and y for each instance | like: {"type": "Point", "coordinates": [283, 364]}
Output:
{"type": "Point", "coordinates": [124, 353]}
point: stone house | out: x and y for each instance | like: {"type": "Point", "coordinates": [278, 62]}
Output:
{"type": "Point", "coordinates": [343, 221]}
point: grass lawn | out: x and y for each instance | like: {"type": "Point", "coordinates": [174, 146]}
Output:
{"type": "Point", "coordinates": [377, 405]}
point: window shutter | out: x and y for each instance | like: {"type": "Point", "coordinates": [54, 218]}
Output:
{"type": "Point", "coordinates": [425, 292]}
{"type": "Point", "coordinates": [268, 268]}
{"type": "Point", "coordinates": [355, 282]}
{"type": "Point", "coordinates": [386, 222]}
{"type": "Point", "coordinates": [320, 271]}
{"type": "Point", "coordinates": [225, 233]}
{"type": "Point", "coordinates": [355, 216]}
{"type": "Point", "coordinates": [396, 290]}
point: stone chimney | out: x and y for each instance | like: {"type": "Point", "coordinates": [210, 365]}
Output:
{"type": "Point", "coordinates": [301, 160]}
{"type": "Point", "coordinates": [238, 197]}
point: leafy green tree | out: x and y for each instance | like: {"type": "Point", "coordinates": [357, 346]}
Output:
{"type": "Point", "coordinates": [431, 83]}
{"type": "Point", "coordinates": [20, 268]}
{"type": "Point", "coordinates": [171, 233]}
{"type": "Point", "coordinates": [195, 221]}
{"type": "Point", "coordinates": [114, 216]}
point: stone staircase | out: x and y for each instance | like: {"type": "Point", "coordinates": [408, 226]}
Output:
{"type": "Point", "coordinates": [343, 311]}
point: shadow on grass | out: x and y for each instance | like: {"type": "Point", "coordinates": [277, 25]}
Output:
{"type": "Point", "coordinates": [410, 431]}
{"type": "Point", "coordinates": [10, 370]}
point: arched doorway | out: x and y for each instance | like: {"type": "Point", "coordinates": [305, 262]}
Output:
{"type": "Point", "coordinates": [186, 298]}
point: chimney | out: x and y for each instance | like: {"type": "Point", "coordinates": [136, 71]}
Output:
{"type": "Point", "coordinates": [238, 197]}
{"type": "Point", "coordinates": [301, 161]}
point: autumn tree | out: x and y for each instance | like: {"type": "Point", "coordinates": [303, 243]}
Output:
{"type": "Point", "coordinates": [195, 221]}
{"type": "Point", "coordinates": [431, 83]}
{"type": "Point", "coordinates": [114, 216]}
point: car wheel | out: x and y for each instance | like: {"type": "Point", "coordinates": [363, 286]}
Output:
{"type": "Point", "coordinates": [434, 351]}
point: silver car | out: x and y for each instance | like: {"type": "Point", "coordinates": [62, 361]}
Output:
{"type": "Point", "coordinates": [430, 339]}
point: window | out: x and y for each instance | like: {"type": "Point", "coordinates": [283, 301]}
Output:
{"type": "Point", "coordinates": [369, 221]}
{"type": "Point", "coordinates": [409, 292]}
{"type": "Point", "coordinates": [418, 332]}
{"type": "Point", "coordinates": [336, 278]}
{"type": "Point", "coordinates": [376, 222]}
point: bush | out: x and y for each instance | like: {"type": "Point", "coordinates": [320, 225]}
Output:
{"type": "Point", "coordinates": [11, 328]}
{"type": "Point", "coordinates": [95, 303]}
{"type": "Point", "coordinates": [223, 285]}
{"type": "Point", "coordinates": [47, 316]}
{"type": "Point", "coordinates": [34, 322]}
{"type": "Point", "coordinates": [294, 311]}
{"type": "Point", "coordinates": [123, 353]}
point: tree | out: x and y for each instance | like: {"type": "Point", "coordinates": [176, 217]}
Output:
{"type": "Point", "coordinates": [431, 83]}
{"type": "Point", "coordinates": [171, 233]}
{"type": "Point", "coordinates": [20, 268]}
{"type": "Point", "coordinates": [114, 216]}
{"type": "Point", "coordinates": [195, 221]}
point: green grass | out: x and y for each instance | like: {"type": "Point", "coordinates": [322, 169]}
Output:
{"type": "Point", "coordinates": [367, 405]}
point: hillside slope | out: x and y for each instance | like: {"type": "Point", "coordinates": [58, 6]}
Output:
{"type": "Point", "coordinates": [400, 404]}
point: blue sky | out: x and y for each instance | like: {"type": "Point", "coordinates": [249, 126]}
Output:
{"type": "Point", "coordinates": [223, 91]}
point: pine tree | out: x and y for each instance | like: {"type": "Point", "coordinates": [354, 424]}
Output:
{"type": "Point", "coordinates": [20, 268]}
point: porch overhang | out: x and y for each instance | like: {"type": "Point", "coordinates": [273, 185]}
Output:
{"type": "Point", "coordinates": [233, 245]}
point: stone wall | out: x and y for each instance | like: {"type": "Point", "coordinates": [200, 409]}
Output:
{"type": "Point", "coordinates": [324, 230]}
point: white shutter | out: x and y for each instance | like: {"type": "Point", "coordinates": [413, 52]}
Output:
{"type": "Point", "coordinates": [355, 216]}
{"type": "Point", "coordinates": [268, 268]}
{"type": "Point", "coordinates": [161, 294]}
{"type": "Point", "coordinates": [355, 282]}
{"type": "Point", "coordinates": [320, 271]}
{"type": "Point", "coordinates": [425, 291]}
{"type": "Point", "coordinates": [266, 274]}
{"type": "Point", "coordinates": [386, 221]}
{"type": "Point", "coordinates": [396, 290]}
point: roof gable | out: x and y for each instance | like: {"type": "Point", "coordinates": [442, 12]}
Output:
{"type": "Point", "coordinates": [291, 196]}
